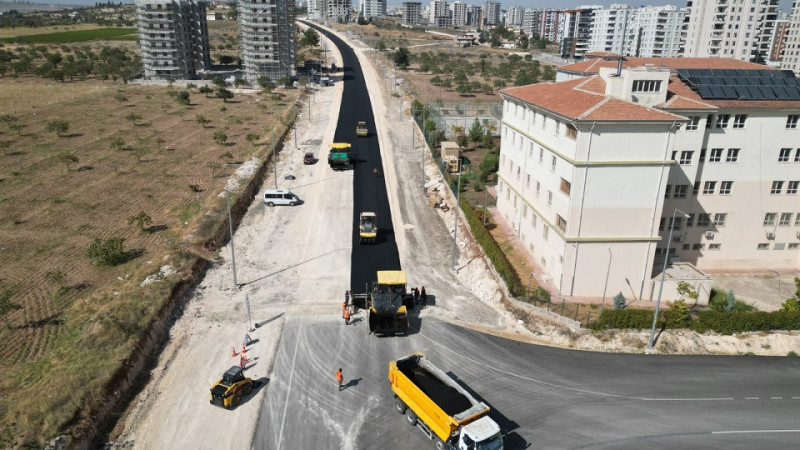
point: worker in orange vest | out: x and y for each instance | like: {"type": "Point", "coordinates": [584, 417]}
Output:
{"type": "Point", "coordinates": [339, 378]}
{"type": "Point", "coordinates": [347, 317]}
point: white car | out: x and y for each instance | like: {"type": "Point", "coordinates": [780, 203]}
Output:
{"type": "Point", "coordinates": [274, 197]}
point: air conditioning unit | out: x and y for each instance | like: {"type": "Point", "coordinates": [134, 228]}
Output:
{"type": "Point", "coordinates": [709, 234]}
{"type": "Point", "coordinates": [770, 236]}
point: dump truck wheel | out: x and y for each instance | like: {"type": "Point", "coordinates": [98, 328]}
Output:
{"type": "Point", "coordinates": [270, 204]}
{"type": "Point", "coordinates": [248, 388]}
{"type": "Point", "coordinates": [237, 396]}
{"type": "Point", "coordinates": [400, 406]}
{"type": "Point", "coordinates": [411, 417]}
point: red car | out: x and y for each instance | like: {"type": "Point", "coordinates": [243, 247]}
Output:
{"type": "Point", "coordinates": [309, 158]}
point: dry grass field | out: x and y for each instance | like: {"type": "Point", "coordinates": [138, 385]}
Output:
{"type": "Point", "coordinates": [136, 149]}
{"type": "Point", "coordinates": [25, 31]}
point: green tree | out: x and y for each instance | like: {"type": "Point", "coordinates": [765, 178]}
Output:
{"type": "Point", "coordinates": [619, 301]}
{"type": "Point", "coordinates": [240, 82]}
{"type": "Point", "coordinates": [120, 97]}
{"type": "Point", "coordinates": [133, 118]}
{"type": "Point", "coordinates": [205, 90]}
{"type": "Point", "coordinates": [730, 301]}
{"type": "Point", "coordinates": [793, 303]}
{"type": "Point", "coordinates": [678, 315]}
{"type": "Point", "coordinates": [266, 84]}
{"type": "Point", "coordinates": [142, 221]}
{"type": "Point", "coordinates": [402, 58]}
{"type": "Point", "coordinates": [109, 252]}
{"type": "Point", "coordinates": [381, 45]}
{"type": "Point", "coordinates": [224, 94]}
{"type": "Point", "coordinates": [488, 166]}
{"type": "Point", "coordinates": [219, 81]}
{"type": "Point", "coordinates": [118, 144]}
{"type": "Point", "coordinates": [201, 120]}
{"type": "Point", "coordinates": [183, 98]}
{"type": "Point", "coordinates": [476, 131]}
{"type": "Point", "coordinates": [6, 305]}
{"type": "Point", "coordinates": [67, 157]}
{"type": "Point", "coordinates": [58, 126]}
{"type": "Point", "coordinates": [226, 59]}
{"type": "Point", "coordinates": [686, 290]}
{"type": "Point", "coordinates": [220, 137]}
{"type": "Point", "coordinates": [310, 38]}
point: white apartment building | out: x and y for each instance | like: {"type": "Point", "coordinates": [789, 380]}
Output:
{"type": "Point", "coordinates": [515, 15]}
{"type": "Point", "coordinates": [173, 37]}
{"type": "Point", "coordinates": [575, 31]}
{"type": "Point", "coordinates": [610, 28]}
{"type": "Point", "coordinates": [655, 31]}
{"type": "Point", "coordinates": [412, 13]}
{"type": "Point", "coordinates": [458, 11]}
{"type": "Point", "coordinates": [337, 11]}
{"type": "Point", "coordinates": [267, 41]}
{"type": "Point", "coordinates": [369, 9]}
{"type": "Point", "coordinates": [791, 50]}
{"type": "Point", "coordinates": [439, 14]}
{"type": "Point", "coordinates": [729, 29]}
{"type": "Point", "coordinates": [316, 10]}
{"type": "Point", "coordinates": [491, 14]}
{"type": "Point", "coordinates": [593, 168]}
{"type": "Point", "coordinates": [474, 15]}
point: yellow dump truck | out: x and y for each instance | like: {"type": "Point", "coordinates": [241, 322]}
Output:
{"type": "Point", "coordinates": [440, 407]}
{"type": "Point", "coordinates": [367, 228]}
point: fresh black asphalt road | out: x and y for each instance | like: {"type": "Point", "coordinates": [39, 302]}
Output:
{"type": "Point", "coordinates": [542, 397]}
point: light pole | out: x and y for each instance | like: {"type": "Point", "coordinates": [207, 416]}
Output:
{"type": "Point", "coordinates": [608, 272]}
{"type": "Point", "coordinates": [530, 283]}
{"type": "Point", "coordinates": [455, 219]}
{"type": "Point", "coordinates": [230, 223]}
{"type": "Point", "coordinates": [275, 164]}
{"type": "Point", "coordinates": [663, 275]}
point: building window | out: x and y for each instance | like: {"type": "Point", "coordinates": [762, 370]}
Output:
{"type": "Point", "coordinates": [733, 155]}
{"type": "Point", "coordinates": [538, 188]}
{"type": "Point", "coordinates": [552, 163]}
{"type": "Point", "coordinates": [661, 224]}
{"type": "Point", "coordinates": [763, 246]}
{"type": "Point", "coordinates": [533, 219]}
{"type": "Point", "coordinates": [791, 121]}
{"type": "Point", "coordinates": [797, 155]}
{"type": "Point", "coordinates": [561, 223]}
{"type": "Point", "coordinates": [676, 223]}
{"type": "Point", "coordinates": [783, 155]}
{"type": "Point", "coordinates": [725, 187]}
{"type": "Point", "coordinates": [680, 191]}
{"type": "Point", "coordinates": [777, 187]}
{"type": "Point", "coordinates": [668, 191]}
{"type": "Point", "coordinates": [719, 219]}
{"type": "Point", "coordinates": [527, 181]}
{"type": "Point", "coordinates": [722, 120]}
{"type": "Point", "coordinates": [572, 132]}
{"type": "Point", "coordinates": [549, 197]}
{"type": "Point", "coordinates": [696, 188]}
{"type": "Point", "coordinates": [690, 220]}
{"type": "Point", "coordinates": [709, 119]}
{"type": "Point", "coordinates": [686, 157]}
{"type": "Point", "coordinates": [541, 155]}
{"type": "Point", "coordinates": [769, 219]}
{"type": "Point", "coordinates": [797, 220]}
{"type": "Point", "coordinates": [693, 122]}
{"type": "Point", "coordinates": [686, 247]}
{"type": "Point", "coordinates": [791, 187]}
{"type": "Point", "coordinates": [646, 85]}
{"type": "Point", "coordinates": [786, 219]}
{"type": "Point", "coordinates": [566, 186]}
{"type": "Point", "coordinates": [793, 246]}
{"type": "Point", "coordinates": [524, 211]}
{"type": "Point", "coordinates": [698, 246]}
{"type": "Point", "coordinates": [545, 232]}
{"type": "Point", "coordinates": [709, 187]}
{"type": "Point", "coordinates": [714, 246]}
{"type": "Point", "coordinates": [703, 220]}
{"type": "Point", "coordinates": [738, 120]}
{"type": "Point", "coordinates": [558, 127]}
{"type": "Point", "coordinates": [716, 155]}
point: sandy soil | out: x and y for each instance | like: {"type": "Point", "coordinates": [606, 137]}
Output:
{"type": "Point", "coordinates": [277, 251]}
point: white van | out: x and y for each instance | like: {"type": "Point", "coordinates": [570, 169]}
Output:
{"type": "Point", "coordinates": [274, 197]}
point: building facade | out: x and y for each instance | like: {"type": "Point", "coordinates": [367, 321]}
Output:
{"type": "Point", "coordinates": [729, 29]}
{"type": "Point", "coordinates": [267, 41]}
{"type": "Point", "coordinates": [338, 11]}
{"type": "Point", "coordinates": [516, 15]}
{"type": "Point", "coordinates": [575, 31]}
{"type": "Point", "coordinates": [412, 13]}
{"type": "Point", "coordinates": [592, 170]}
{"type": "Point", "coordinates": [369, 9]}
{"type": "Point", "coordinates": [778, 42]}
{"type": "Point", "coordinates": [491, 14]}
{"type": "Point", "coordinates": [655, 31]}
{"type": "Point", "coordinates": [173, 37]}
{"type": "Point", "coordinates": [791, 51]}
{"type": "Point", "coordinates": [609, 29]}
{"type": "Point", "coordinates": [458, 11]}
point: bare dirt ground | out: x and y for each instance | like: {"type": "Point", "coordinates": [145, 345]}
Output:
{"type": "Point", "coordinates": [290, 266]}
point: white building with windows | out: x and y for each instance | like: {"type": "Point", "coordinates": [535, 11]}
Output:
{"type": "Point", "coordinates": [655, 31]}
{"type": "Point", "coordinates": [412, 13]}
{"type": "Point", "coordinates": [516, 15]}
{"type": "Point", "coordinates": [610, 28]}
{"type": "Point", "coordinates": [729, 29]}
{"type": "Point", "coordinates": [458, 11]}
{"type": "Point", "coordinates": [491, 14]}
{"type": "Point", "coordinates": [369, 9]}
{"type": "Point", "coordinates": [592, 169]}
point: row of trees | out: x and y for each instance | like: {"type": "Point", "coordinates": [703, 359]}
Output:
{"type": "Point", "coordinates": [69, 63]}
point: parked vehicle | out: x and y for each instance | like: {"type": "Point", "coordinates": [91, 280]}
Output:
{"type": "Point", "coordinates": [274, 197]}
{"type": "Point", "coordinates": [440, 407]}
{"type": "Point", "coordinates": [309, 158]}
{"type": "Point", "coordinates": [228, 391]}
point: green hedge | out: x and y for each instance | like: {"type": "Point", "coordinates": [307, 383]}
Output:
{"type": "Point", "coordinates": [721, 322]}
{"type": "Point", "coordinates": [492, 250]}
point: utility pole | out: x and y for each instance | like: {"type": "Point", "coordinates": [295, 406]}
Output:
{"type": "Point", "coordinates": [455, 221]}
{"type": "Point", "coordinates": [275, 164]}
{"type": "Point", "coordinates": [230, 223]}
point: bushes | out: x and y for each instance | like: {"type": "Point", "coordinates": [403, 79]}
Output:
{"type": "Point", "coordinates": [637, 319]}
{"type": "Point", "coordinates": [107, 253]}
{"type": "Point", "coordinates": [493, 251]}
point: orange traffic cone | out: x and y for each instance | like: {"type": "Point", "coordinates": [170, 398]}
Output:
{"type": "Point", "coordinates": [243, 361]}
{"type": "Point", "coordinates": [244, 349]}
{"type": "Point", "coordinates": [233, 352]}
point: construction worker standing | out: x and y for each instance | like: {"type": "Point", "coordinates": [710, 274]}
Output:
{"type": "Point", "coordinates": [347, 317]}
{"type": "Point", "coordinates": [339, 378]}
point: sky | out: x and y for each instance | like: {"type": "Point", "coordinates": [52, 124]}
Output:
{"type": "Point", "coordinates": [785, 5]}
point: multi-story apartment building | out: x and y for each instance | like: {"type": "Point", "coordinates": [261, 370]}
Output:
{"type": "Point", "coordinates": [412, 13]}
{"type": "Point", "coordinates": [655, 31]}
{"type": "Point", "coordinates": [778, 41]}
{"type": "Point", "coordinates": [369, 9]}
{"type": "Point", "coordinates": [729, 29]}
{"type": "Point", "coordinates": [515, 16]}
{"type": "Point", "coordinates": [316, 10]}
{"type": "Point", "coordinates": [458, 11]}
{"type": "Point", "coordinates": [173, 36]}
{"type": "Point", "coordinates": [439, 14]}
{"type": "Point", "coordinates": [491, 14]}
{"type": "Point", "coordinates": [267, 42]}
{"type": "Point", "coordinates": [575, 31]}
{"type": "Point", "coordinates": [609, 28]}
{"type": "Point", "coordinates": [592, 169]}
{"type": "Point", "coordinates": [338, 11]}
{"type": "Point", "coordinates": [791, 51]}
{"type": "Point", "coordinates": [474, 15]}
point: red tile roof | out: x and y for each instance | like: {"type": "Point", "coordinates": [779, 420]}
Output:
{"type": "Point", "coordinates": [584, 99]}
{"type": "Point", "coordinates": [592, 66]}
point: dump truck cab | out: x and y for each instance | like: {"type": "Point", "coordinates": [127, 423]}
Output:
{"type": "Point", "coordinates": [339, 156]}
{"type": "Point", "coordinates": [367, 228]}
{"type": "Point", "coordinates": [230, 389]}
{"type": "Point", "coordinates": [361, 129]}
{"type": "Point", "coordinates": [483, 434]}
{"type": "Point", "coordinates": [387, 312]}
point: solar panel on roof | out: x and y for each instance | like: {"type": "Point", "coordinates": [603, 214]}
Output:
{"type": "Point", "coordinates": [755, 92]}
{"type": "Point", "coordinates": [706, 72]}
{"type": "Point", "coordinates": [717, 91]}
{"type": "Point", "coordinates": [768, 93]}
{"type": "Point", "coordinates": [744, 92]}
{"type": "Point", "coordinates": [704, 92]}
{"type": "Point", "coordinates": [787, 73]}
{"type": "Point", "coordinates": [730, 72]}
{"type": "Point", "coordinates": [730, 92]}
{"type": "Point", "coordinates": [793, 93]}
{"type": "Point", "coordinates": [740, 81]}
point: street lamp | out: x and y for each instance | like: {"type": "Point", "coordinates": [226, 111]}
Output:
{"type": "Point", "coordinates": [608, 272]}
{"type": "Point", "coordinates": [663, 275]}
{"type": "Point", "coordinates": [230, 223]}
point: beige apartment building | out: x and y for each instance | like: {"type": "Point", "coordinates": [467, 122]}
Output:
{"type": "Point", "coordinates": [593, 168]}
